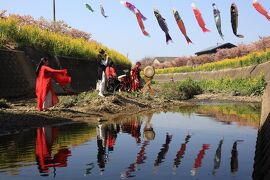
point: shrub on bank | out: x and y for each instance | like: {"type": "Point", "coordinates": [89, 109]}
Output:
{"type": "Point", "coordinates": [54, 42]}
{"type": "Point", "coordinates": [186, 89]}
{"type": "Point", "coordinates": [181, 90]}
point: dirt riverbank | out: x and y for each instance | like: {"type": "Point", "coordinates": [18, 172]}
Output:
{"type": "Point", "coordinates": [91, 108]}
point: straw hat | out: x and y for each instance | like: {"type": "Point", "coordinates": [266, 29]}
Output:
{"type": "Point", "coordinates": [149, 71]}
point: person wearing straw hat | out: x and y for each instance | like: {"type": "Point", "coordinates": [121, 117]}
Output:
{"type": "Point", "coordinates": [102, 60]}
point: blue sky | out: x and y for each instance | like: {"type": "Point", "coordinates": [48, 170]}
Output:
{"type": "Point", "coordinates": [121, 31]}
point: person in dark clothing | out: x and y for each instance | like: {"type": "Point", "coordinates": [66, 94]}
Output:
{"type": "Point", "coordinates": [102, 60]}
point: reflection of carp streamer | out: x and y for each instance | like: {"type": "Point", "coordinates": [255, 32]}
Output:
{"type": "Point", "coordinates": [234, 158]}
{"type": "Point", "coordinates": [217, 158]}
{"type": "Point", "coordinates": [198, 160]}
{"type": "Point", "coordinates": [140, 160]}
{"type": "Point", "coordinates": [163, 150]}
{"type": "Point", "coordinates": [181, 152]}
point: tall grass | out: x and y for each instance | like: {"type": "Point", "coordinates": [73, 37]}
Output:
{"type": "Point", "coordinates": [54, 42]}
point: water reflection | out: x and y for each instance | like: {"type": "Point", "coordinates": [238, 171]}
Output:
{"type": "Point", "coordinates": [180, 154]}
{"type": "Point", "coordinates": [133, 128]}
{"type": "Point", "coordinates": [217, 159]}
{"type": "Point", "coordinates": [45, 160]}
{"type": "Point", "coordinates": [134, 166]}
{"type": "Point", "coordinates": [107, 146]}
{"type": "Point", "coordinates": [106, 137]}
{"type": "Point", "coordinates": [148, 130]}
{"type": "Point", "coordinates": [163, 151]}
{"type": "Point", "coordinates": [234, 158]}
{"type": "Point", "coordinates": [199, 158]}
{"type": "Point", "coordinates": [242, 114]}
{"type": "Point", "coordinates": [89, 168]}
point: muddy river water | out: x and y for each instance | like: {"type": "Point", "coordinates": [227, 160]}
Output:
{"type": "Point", "coordinates": [213, 141]}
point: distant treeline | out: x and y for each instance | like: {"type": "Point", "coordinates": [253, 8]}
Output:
{"type": "Point", "coordinates": [222, 54]}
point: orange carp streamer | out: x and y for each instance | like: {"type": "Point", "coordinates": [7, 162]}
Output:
{"type": "Point", "coordinates": [260, 9]}
{"type": "Point", "coordinates": [199, 18]}
{"type": "Point", "coordinates": [140, 22]}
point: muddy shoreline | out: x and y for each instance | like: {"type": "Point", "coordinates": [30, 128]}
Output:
{"type": "Point", "coordinates": [23, 115]}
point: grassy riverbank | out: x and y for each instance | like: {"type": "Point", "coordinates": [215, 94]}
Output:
{"type": "Point", "coordinates": [246, 60]}
{"type": "Point", "coordinates": [186, 89]}
{"type": "Point", "coordinates": [21, 35]}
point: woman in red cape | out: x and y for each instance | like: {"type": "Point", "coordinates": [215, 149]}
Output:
{"type": "Point", "coordinates": [46, 97]}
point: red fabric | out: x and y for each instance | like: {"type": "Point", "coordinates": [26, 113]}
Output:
{"type": "Point", "coordinates": [198, 160]}
{"type": "Point", "coordinates": [135, 83]}
{"type": "Point", "coordinates": [110, 72]}
{"type": "Point", "coordinates": [110, 141]}
{"type": "Point", "coordinates": [44, 84]}
{"type": "Point", "coordinates": [42, 152]}
{"type": "Point", "coordinates": [60, 159]}
{"type": "Point", "coordinates": [132, 128]}
{"type": "Point", "coordinates": [44, 156]}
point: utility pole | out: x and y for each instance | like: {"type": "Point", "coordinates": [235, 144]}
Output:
{"type": "Point", "coordinates": [54, 10]}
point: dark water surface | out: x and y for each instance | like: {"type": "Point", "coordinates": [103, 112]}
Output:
{"type": "Point", "coordinates": [199, 142]}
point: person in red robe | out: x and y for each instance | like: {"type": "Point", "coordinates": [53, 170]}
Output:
{"type": "Point", "coordinates": [112, 80]}
{"type": "Point", "coordinates": [136, 77]}
{"type": "Point", "coordinates": [46, 97]}
{"type": "Point", "coordinates": [110, 70]}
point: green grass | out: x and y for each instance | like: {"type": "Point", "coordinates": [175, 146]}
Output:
{"type": "Point", "coordinates": [186, 89]}
{"type": "Point", "coordinates": [53, 42]}
{"type": "Point", "coordinates": [245, 87]}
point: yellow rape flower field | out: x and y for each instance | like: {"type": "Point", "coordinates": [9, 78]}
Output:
{"type": "Point", "coordinates": [54, 42]}
{"type": "Point", "coordinates": [247, 60]}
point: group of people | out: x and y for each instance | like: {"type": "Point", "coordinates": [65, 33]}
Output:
{"type": "Point", "coordinates": [107, 77]}
{"type": "Point", "coordinates": [46, 96]}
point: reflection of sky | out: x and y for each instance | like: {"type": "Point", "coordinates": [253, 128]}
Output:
{"type": "Point", "coordinates": [203, 130]}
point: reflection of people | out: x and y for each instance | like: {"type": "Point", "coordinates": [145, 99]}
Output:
{"type": "Point", "coordinates": [106, 137]}
{"type": "Point", "coordinates": [198, 160]}
{"type": "Point", "coordinates": [134, 128]}
{"type": "Point", "coordinates": [148, 130]}
{"type": "Point", "coordinates": [217, 158]}
{"type": "Point", "coordinates": [163, 151]}
{"type": "Point", "coordinates": [101, 156]}
{"type": "Point", "coordinates": [234, 158]}
{"type": "Point", "coordinates": [45, 95]}
{"type": "Point", "coordinates": [44, 142]}
{"type": "Point", "coordinates": [140, 160]}
{"type": "Point", "coordinates": [102, 60]}
{"type": "Point", "coordinates": [181, 152]}
{"type": "Point", "coordinates": [136, 77]}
